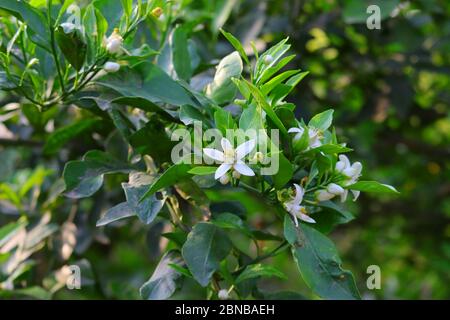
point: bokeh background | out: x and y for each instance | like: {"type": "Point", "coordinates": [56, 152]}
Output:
{"type": "Point", "coordinates": [390, 89]}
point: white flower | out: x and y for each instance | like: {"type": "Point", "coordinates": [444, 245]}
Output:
{"type": "Point", "coordinates": [314, 134]}
{"type": "Point", "coordinates": [294, 207]}
{"type": "Point", "coordinates": [223, 294]}
{"type": "Point", "coordinates": [330, 192]}
{"type": "Point", "coordinates": [352, 172]}
{"type": "Point", "coordinates": [114, 42]}
{"type": "Point", "coordinates": [231, 158]}
{"type": "Point", "coordinates": [111, 66]}
{"type": "Point", "coordinates": [68, 27]}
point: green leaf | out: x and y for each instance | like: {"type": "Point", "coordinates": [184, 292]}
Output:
{"type": "Point", "coordinates": [202, 170]}
{"type": "Point", "coordinates": [60, 137]}
{"type": "Point", "coordinates": [146, 209]}
{"type": "Point", "coordinates": [373, 186]}
{"type": "Point", "coordinates": [276, 52]}
{"type": "Point", "coordinates": [84, 177]}
{"type": "Point", "coordinates": [189, 114]}
{"type": "Point", "coordinates": [222, 90]}
{"type": "Point", "coordinates": [203, 250]}
{"type": "Point", "coordinates": [171, 176]}
{"type": "Point", "coordinates": [223, 120]}
{"type": "Point", "coordinates": [266, 107]}
{"type": "Point", "coordinates": [227, 220]}
{"type": "Point", "coordinates": [72, 46]}
{"type": "Point", "coordinates": [236, 45]}
{"type": "Point", "coordinates": [285, 171]}
{"type": "Point", "coordinates": [319, 262]}
{"type": "Point", "coordinates": [180, 54]}
{"type": "Point", "coordinates": [148, 82]}
{"type": "Point", "coordinates": [259, 270]}
{"type": "Point", "coordinates": [162, 283]}
{"type": "Point", "coordinates": [8, 230]}
{"type": "Point", "coordinates": [153, 130]}
{"type": "Point", "coordinates": [331, 215]}
{"type": "Point", "coordinates": [330, 149]}
{"type": "Point", "coordinates": [32, 17]}
{"type": "Point", "coordinates": [251, 118]}
{"type": "Point", "coordinates": [322, 120]}
{"type": "Point", "coordinates": [274, 82]}
{"type": "Point", "coordinates": [120, 211]}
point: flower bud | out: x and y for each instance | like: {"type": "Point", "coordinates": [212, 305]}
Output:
{"type": "Point", "coordinates": [114, 42]}
{"type": "Point", "coordinates": [224, 179]}
{"type": "Point", "coordinates": [268, 59]}
{"type": "Point", "coordinates": [236, 175]}
{"type": "Point", "coordinates": [157, 12]}
{"type": "Point", "coordinates": [258, 157]}
{"type": "Point", "coordinates": [324, 195]}
{"type": "Point", "coordinates": [335, 189]}
{"type": "Point", "coordinates": [223, 294]}
{"type": "Point", "coordinates": [111, 66]}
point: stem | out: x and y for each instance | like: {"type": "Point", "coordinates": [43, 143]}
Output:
{"type": "Point", "coordinates": [53, 47]}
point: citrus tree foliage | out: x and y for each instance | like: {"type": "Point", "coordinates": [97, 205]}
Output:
{"type": "Point", "coordinates": [131, 74]}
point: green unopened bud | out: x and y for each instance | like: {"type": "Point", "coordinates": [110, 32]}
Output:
{"type": "Point", "coordinates": [268, 59]}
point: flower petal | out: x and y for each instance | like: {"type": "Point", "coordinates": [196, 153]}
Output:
{"type": "Point", "coordinates": [245, 148]}
{"type": "Point", "coordinates": [226, 144]}
{"type": "Point", "coordinates": [357, 167]}
{"type": "Point", "coordinates": [344, 195]}
{"type": "Point", "coordinates": [306, 218]}
{"type": "Point", "coordinates": [242, 168]}
{"type": "Point", "coordinates": [295, 130]}
{"type": "Point", "coordinates": [299, 191]}
{"type": "Point", "coordinates": [214, 154]}
{"type": "Point", "coordinates": [323, 195]}
{"type": "Point", "coordinates": [355, 194]}
{"type": "Point", "coordinates": [221, 170]}
{"type": "Point", "coordinates": [345, 160]}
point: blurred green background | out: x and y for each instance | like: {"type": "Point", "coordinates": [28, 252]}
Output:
{"type": "Point", "coordinates": [390, 89]}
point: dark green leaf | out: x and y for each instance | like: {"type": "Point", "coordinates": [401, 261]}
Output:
{"type": "Point", "coordinates": [203, 250]}
{"type": "Point", "coordinates": [60, 137]}
{"type": "Point", "coordinates": [175, 173]}
{"type": "Point", "coordinates": [319, 262]}
{"type": "Point", "coordinates": [162, 283]}
{"type": "Point", "coordinates": [259, 270]}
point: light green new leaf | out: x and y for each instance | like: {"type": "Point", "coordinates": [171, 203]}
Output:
{"type": "Point", "coordinates": [319, 262]}
{"type": "Point", "coordinates": [322, 120]}
{"type": "Point", "coordinates": [236, 45]}
{"type": "Point", "coordinates": [263, 104]}
{"type": "Point", "coordinates": [203, 170]}
{"type": "Point", "coordinates": [205, 247]}
{"type": "Point", "coordinates": [223, 120]}
{"type": "Point", "coordinates": [373, 186]}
